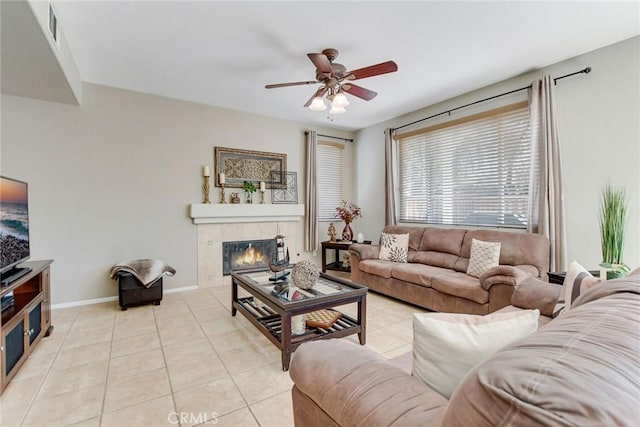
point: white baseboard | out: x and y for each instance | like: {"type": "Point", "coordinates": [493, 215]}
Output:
{"type": "Point", "coordinates": [182, 289]}
{"type": "Point", "coordinates": [114, 298]}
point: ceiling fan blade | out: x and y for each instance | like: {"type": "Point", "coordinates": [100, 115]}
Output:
{"type": "Point", "coordinates": [359, 91]}
{"type": "Point", "coordinates": [372, 70]}
{"type": "Point", "coordinates": [319, 92]}
{"type": "Point", "coordinates": [277, 85]}
{"type": "Point", "coordinates": [321, 62]}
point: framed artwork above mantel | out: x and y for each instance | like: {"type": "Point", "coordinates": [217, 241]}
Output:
{"type": "Point", "coordinates": [246, 165]}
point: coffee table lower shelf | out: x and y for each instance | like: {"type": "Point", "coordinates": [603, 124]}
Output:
{"type": "Point", "coordinates": [269, 323]}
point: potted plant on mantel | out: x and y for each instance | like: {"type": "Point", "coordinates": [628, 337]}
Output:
{"type": "Point", "coordinates": [248, 189]}
{"type": "Point", "coordinates": [613, 216]}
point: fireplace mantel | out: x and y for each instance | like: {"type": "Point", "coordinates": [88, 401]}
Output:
{"type": "Point", "coordinates": [217, 213]}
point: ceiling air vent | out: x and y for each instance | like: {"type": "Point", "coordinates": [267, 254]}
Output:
{"type": "Point", "coordinates": [53, 25]}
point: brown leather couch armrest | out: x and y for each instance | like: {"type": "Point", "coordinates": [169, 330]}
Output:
{"type": "Point", "coordinates": [506, 275]}
{"type": "Point", "coordinates": [357, 387]}
{"type": "Point", "coordinates": [363, 251]}
{"type": "Point", "coordinates": [532, 293]}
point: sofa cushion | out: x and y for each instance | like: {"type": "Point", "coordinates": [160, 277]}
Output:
{"type": "Point", "coordinates": [437, 259]}
{"type": "Point", "coordinates": [460, 285]}
{"type": "Point", "coordinates": [394, 247]}
{"type": "Point", "coordinates": [445, 240]}
{"type": "Point", "coordinates": [446, 346]}
{"type": "Point", "coordinates": [577, 280]}
{"type": "Point", "coordinates": [581, 369]}
{"type": "Point", "coordinates": [484, 255]}
{"type": "Point", "coordinates": [378, 267]}
{"type": "Point", "coordinates": [419, 274]}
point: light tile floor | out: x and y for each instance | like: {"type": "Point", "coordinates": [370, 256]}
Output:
{"type": "Point", "coordinates": [185, 362]}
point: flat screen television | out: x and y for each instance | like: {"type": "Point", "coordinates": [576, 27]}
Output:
{"type": "Point", "coordinates": [14, 228]}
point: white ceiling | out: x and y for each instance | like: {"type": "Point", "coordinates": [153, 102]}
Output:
{"type": "Point", "coordinates": [223, 53]}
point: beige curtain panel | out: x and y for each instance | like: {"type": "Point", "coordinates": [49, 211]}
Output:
{"type": "Point", "coordinates": [311, 205]}
{"type": "Point", "coordinates": [546, 205]}
{"type": "Point", "coordinates": [390, 177]}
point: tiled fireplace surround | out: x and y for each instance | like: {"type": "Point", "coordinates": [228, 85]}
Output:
{"type": "Point", "coordinates": [221, 223]}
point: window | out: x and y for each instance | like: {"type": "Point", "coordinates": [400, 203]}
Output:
{"type": "Point", "coordinates": [329, 160]}
{"type": "Point", "coordinates": [472, 171]}
{"type": "Point", "coordinates": [53, 24]}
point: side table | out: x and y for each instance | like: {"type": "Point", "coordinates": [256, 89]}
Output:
{"type": "Point", "coordinates": [336, 246]}
{"type": "Point", "coordinates": [557, 277]}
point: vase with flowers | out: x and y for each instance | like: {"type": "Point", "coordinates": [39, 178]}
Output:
{"type": "Point", "coordinates": [348, 212]}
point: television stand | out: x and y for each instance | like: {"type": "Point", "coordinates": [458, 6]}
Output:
{"type": "Point", "coordinates": [27, 320]}
{"type": "Point", "coordinates": [14, 274]}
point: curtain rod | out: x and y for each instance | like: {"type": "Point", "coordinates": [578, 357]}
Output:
{"type": "Point", "coordinates": [329, 136]}
{"type": "Point", "coordinates": [586, 70]}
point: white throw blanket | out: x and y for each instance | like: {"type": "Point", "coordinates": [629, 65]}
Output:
{"type": "Point", "coordinates": [146, 271]}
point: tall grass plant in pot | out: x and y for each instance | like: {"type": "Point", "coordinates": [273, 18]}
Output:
{"type": "Point", "coordinates": [613, 217]}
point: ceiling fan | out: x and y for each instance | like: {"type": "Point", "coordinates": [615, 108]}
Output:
{"type": "Point", "coordinates": [336, 80]}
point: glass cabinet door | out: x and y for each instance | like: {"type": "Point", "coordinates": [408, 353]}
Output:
{"type": "Point", "coordinates": [14, 346]}
{"type": "Point", "coordinates": [35, 323]}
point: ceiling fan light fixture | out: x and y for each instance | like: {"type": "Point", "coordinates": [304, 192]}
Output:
{"type": "Point", "coordinates": [318, 104]}
{"type": "Point", "coordinates": [340, 101]}
{"type": "Point", "coordinates": [337, 110]}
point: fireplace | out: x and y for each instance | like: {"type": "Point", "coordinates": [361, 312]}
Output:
{"type": "Point", "coordinates": [246, 255]}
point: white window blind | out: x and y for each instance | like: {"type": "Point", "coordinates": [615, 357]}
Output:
{"type": "Point", "coordinates": [329, 160]}
{"type": "Point", "coordinates": [472, 171]}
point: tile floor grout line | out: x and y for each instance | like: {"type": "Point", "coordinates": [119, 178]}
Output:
{"type": "Point", "coordinates": [222, 360]}
{"type": "Point", "coordinates": [166, 364]}
{"type": "Point", "coordinates": [231, 375]}
{"type": "Point", "coordinates": [50, 369]}
{"type": "Point", "coordinates": [208, 338]}
{"type": "Point", "coordinates": [106, 380]}
{"type": "Point", "coordinates": [45, 376]}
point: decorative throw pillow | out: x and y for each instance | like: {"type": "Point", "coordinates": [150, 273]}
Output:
{"type": "Point", "coordinates": [484, 255]}
{"type": "Point", "coordinates": [394, 247]}
{"type": "Point", "coordinates": [576, 281]}
{"type": "Point", "coordinates": [446, 345]}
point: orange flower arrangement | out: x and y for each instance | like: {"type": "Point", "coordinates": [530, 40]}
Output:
{"type": "Point", "coordinates": [348, 212]}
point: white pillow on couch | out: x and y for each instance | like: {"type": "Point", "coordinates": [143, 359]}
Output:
{"type": "Point", "coordinates": [577, 281]}
{"type": "Point", "coordinates": [394, 247]}
{"type": "Point", "coordinates": [484, 255]}
{"type": "Point", "coordinates": [447, 345]}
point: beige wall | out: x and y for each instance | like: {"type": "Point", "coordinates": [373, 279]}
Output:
{"type": "Point", "coordinates": [112, 180]}
{"type": "Point", "coordinates": [599, 126]}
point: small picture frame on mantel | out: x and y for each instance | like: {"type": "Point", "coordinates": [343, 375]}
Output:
{"type": "Point", "coordinates": [284, 187]}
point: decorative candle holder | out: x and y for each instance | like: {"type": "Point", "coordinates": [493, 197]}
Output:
{"type": "Point", "coordinates": [223, 198]}
{"type": "Point", "coordinates": [262, 197]}
{"type": "Point", "coordinates": [205, 189]}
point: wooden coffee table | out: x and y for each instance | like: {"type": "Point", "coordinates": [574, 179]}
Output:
{"type": "Point", "coordinates": [272, 314]}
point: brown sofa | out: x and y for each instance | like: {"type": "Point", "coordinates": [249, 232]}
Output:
{"type": "Point", "coordinates": [580, 369]}
{"type": "Point", "coordinates": [435, 275]}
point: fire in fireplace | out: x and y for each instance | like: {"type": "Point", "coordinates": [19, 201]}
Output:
{"type": "Point", "coordinates": [246, 255]}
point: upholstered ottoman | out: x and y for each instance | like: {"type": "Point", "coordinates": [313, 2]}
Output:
{"type": "Point", "coordinates": [132, 292]}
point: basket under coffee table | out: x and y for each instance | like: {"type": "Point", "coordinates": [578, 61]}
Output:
{"type": "Point", "coordinates": [272, 315]}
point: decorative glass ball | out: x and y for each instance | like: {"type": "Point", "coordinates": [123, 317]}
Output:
{"type": "Point", "coordinates": [305, 274]}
